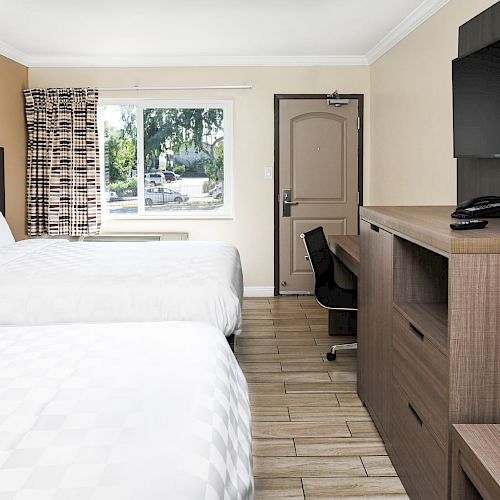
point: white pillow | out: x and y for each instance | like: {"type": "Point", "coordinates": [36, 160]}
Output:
{"type": "Point", "coordinates": [6, 237]}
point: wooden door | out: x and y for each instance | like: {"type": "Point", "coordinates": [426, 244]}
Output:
{"type": "Point", "coordinates": [375, 322]}
{"type": "Point", "coordinates": [318, 180]}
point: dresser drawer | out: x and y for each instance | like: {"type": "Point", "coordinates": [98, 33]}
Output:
{"type": "Point", "coordinates": [422, 371]}
{"type": "Point", "coordinates": [419, 459]}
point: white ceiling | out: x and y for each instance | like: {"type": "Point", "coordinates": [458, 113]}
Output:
{"type": "Point", "coordinates": [197, 32]}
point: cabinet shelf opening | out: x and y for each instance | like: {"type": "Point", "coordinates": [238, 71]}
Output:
{"type": "Point", "coordinates": [421, 289]}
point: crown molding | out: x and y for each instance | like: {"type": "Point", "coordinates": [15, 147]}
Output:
{"type": "Point", "coordinates": [199, 61]}
{"type": "Point", "coordinates": [410, 23]}
{"type": "Point", "coordinates": [12, 53]}
{"type": "Point", "coordinates": [417, 17]}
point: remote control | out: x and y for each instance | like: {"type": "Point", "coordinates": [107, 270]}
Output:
{"type": "Point", "coordinates": [469, 224]}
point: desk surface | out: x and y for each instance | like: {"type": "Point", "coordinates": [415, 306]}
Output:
{"type": "Point", "coordinates": [346, 248]}
{"type": "Point", "coordinates": [430, 226]}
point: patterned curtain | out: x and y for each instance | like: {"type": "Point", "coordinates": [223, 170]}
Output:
{"type": "Point", "coordinates": [63, 162]}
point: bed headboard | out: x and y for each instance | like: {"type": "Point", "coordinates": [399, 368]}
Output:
{"type": "Point", "coordinates": [2, 183]}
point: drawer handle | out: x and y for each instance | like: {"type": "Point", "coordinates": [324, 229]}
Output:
{"type": "Point", "coordinates": [415, 414]}
{"type": "Point", "coordinates": [375, 228]}
{"type": "Point", "coordinates": [416, 331]}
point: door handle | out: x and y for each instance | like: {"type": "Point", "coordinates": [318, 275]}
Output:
{"type": "Point", "coordinates": [287, 196]}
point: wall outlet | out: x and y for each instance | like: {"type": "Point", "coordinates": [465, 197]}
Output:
{"type": "Point", "coordinates": [268, 172]}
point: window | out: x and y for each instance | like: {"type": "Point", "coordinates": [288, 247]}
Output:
{"type": "Point", "coordinates": [166, 159]}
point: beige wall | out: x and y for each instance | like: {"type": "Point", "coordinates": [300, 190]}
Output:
{"type": "Point", "coordinates": [13, 80]}
{"type": "Point", "coordinates": [411, 108]}
{"type": "Point", "coordinates": [251, 230]}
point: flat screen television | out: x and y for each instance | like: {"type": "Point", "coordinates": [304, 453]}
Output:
{"type": "Point", "coordinates": [476, 104]}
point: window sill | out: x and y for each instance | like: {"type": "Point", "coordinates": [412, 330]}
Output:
{"type": "Point", "coordinates": [106, 218]}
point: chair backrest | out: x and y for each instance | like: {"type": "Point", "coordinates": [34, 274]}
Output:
{"type": "Point", "coordinates": [320, 256]}
{"type": "Point", "coordinates": [335, 285]}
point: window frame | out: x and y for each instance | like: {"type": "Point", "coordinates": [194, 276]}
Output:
{"type": "Point", "coordinates": [227, 211]}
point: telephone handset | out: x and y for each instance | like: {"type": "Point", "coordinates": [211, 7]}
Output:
{"type": "Point", "coordinates": [484, 206]}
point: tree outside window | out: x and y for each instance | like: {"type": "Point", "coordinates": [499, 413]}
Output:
{"type": "Point", "coordinates": [183, 158]}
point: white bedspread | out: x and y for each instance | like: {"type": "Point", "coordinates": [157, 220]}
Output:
{"type": "Point", "coordinates": [55, 281]}
{"type": "Point", "coordinates": [122, 412]}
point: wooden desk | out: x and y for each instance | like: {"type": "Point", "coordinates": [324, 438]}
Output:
{"type": "Point", "coordinates": [346, 248]}
{"type": "Point", "coordinates": [475, 462]}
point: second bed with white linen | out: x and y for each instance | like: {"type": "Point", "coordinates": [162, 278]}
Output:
{"type": "Point", "coordinates": [122, 411]}
{"type": "Point", "coordinates": [56, 281]}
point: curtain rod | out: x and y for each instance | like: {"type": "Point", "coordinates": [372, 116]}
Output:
{"type": "Point", "coordinates": [193, 87]}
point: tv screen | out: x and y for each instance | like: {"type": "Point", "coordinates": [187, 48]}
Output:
{"type": "Point", "coordinates": [476, 104]}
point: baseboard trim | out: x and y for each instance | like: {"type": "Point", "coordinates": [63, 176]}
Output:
{"type": "Point", "coordinates": [258, 291]}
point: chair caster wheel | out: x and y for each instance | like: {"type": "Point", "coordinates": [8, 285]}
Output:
{"type": "Point", "coordinates": [330, 356]}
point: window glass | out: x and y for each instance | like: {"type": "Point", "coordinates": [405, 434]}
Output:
{"type": "Point", "coordinates": [184, 149]}
{"type": "Point", "coordinates": [119, 144]}
{"type": "Point", "coordinates": [165, 160]}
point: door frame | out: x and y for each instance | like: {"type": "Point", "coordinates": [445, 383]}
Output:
{"type": "Point", "coordinates": [277, 99]}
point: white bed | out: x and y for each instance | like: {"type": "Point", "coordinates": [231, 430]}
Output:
{"type": "Point", "coordinates": [56, 281]}
{"type": "Point", "coordinates": [122, 411]}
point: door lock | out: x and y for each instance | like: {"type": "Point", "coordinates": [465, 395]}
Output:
{"type": "Point", "coordinates": [287, 203]}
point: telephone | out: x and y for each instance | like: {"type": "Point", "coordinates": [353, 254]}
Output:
{"type": "Point", "coordinates": [485, 206]}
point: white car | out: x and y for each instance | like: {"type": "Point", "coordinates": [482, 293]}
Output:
{"type": "Point", "coordinates": [162, 196]}
{"type": "Point", "coordinates": [112, 196]}
{"type": "Point", "coordinates": [154, 179]}
{"type": "Point", "coordinates": [217, 193]}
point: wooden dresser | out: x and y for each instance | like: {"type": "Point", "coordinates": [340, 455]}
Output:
{"type": "Point", "coordinates": [428, 336]}
{"type": "Point", "coordinates": [475, 471]}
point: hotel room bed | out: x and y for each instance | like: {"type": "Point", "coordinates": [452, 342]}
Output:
{"type": "Point", "coordinates": [122, 411]}
{"type": "Point", "coordinates": [56, 281]}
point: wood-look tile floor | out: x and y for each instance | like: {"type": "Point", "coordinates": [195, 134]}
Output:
{"type": "Point", "coordinates": [312, 437]}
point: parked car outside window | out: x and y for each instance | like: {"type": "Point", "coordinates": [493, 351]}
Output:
{"type": "Point", "coordinates": [154, 179]}
{"type": "Point", "coordinates": [170, 176]}
{"type": "Point", "coordinates": [112, 196]}
{"type": "Point", "coordinates": [217, 192]}
{"type": "Point", "coordinates": [161, 196]}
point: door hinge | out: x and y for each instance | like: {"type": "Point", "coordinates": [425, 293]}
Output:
{"type": "Point", "coordinates": [358, 197]}
{"type": "Point", "coordinates": [278, 197]}
{"type": "Point", "coordinates": [359, 123]}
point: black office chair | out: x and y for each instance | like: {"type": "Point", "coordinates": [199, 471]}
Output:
{"type": "Point", "coordinates": [335, 286]}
